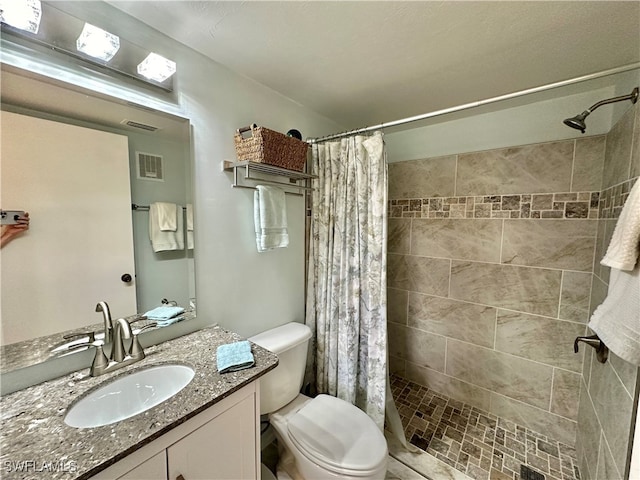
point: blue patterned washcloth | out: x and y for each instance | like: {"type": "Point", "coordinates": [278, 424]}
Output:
{"type": "Point", "coordinates": [163, 313]}
{"type": "Point", "coordinates": [234, 356]}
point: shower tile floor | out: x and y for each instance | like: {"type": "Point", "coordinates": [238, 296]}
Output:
{"type": "Point", "coordinates": [477, 443]}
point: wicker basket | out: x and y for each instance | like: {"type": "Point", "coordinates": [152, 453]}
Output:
{"type": "Point", "coordinates": [272, 148]}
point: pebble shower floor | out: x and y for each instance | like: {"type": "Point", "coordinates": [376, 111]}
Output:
{"type": "Point", "coordinates": [477, 443]}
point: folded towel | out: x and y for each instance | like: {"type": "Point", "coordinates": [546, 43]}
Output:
{"type": "Point", "coordinates": [234, 356]}
{"type": "Point", "coordinates": [164, 313]}
{"type": "Point", "coordinates": [270, 218]}
{"type": "Point", "coordinates": [171, 321]}
{"type": "Point", "coordinates": [617, 320]}
{"type": "Point", "coordinates": [625, 243]}
{"type": "Point", "coordinates": [164, 239]}
{"type": "Point", "coordinates": [189, 226]}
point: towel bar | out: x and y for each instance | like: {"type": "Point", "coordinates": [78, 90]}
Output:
{"type": "Point", "coordinates": [145, 208]}
{"type": "Point", "coordinates": [293, 176]}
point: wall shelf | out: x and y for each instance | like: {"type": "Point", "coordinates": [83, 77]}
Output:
{"type": "Point", "coordinates": [297, 180]}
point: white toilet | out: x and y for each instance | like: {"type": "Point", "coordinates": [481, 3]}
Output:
{"type": "Point", "coordinates": [318, 438]}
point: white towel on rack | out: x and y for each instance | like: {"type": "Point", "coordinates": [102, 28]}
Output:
{"type": "Point", "coordinates": [165, 239]}
{"type": "Point", "coordinates": [167, 215]}
{"type": "Point", "coordinates": [270, 218]}
{"type": "Point", "coordinates": [625, 243]}
{"type": "Point", "coordinates": [617, 320]}
{"type": "Point", "coordinates": [189, 226]}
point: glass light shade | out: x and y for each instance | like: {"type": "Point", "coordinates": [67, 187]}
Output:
{"type": "Point", "coordinates": [22, 14]}
{"type": "Point", "coordinates": [98, 43]}
{"type": "Point", "coordinates": [156, 67]}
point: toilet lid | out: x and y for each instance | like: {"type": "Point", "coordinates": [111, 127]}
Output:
{"type": "Point", "coordinates": [338, 435]}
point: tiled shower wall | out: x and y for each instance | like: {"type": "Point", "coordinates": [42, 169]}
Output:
{"type": "Point", "coordinates": [607, 390]}
{"type": "Point", "coordinates": [489, 273]}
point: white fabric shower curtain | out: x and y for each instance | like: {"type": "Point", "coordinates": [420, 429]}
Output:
{"type": "Point", "coordinates": [347, 299]}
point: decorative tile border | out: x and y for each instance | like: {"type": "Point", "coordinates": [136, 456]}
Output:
{"type": "Point", "coordinates": [537, 205]}
{"type": "Point", "coordinates": [475, 442]}
{"type": "Point", "coordinates": [612, 199]}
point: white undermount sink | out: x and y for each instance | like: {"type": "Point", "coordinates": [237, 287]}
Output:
{"type": "Point", "coordinates": [128, 395]}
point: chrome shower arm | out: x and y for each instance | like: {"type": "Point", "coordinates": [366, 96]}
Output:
{"type": "Point", "coordinates": [633, 96]}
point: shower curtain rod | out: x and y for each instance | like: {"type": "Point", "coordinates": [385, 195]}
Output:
{"type": "Point", "coordinates": [436, 113]}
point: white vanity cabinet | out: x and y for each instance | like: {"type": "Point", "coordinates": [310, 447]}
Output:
{"type": "Point", "coordinates": [221, 443]}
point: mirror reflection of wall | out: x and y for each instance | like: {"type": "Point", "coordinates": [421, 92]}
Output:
{"type": "Point", "coordinates": [162, 275]}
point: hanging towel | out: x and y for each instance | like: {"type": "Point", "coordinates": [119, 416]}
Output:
{"type": "Point", "coordinates": [625, 243]}
{"type": "Point", "coordinates": [617, 320]}
{"type": "Point", "coordinates": [163, 313]}
{"type": "Point", "coordinates": [165, 239]}
{"type": "Point", "coordinates": [234, 356]}
{"type": "Point", "coordinates": [270, 218]}
{"type": "Point", "coordinates": [167, 214]}
{"type": "Point", "coordinates": [189, 226]}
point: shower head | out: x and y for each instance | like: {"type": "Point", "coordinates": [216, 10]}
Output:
{"type": "Point", "coordinates": [577, 122]}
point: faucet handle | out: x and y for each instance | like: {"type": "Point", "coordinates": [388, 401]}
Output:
{"type": "Point", "coordinates": [136, 351]}
{"type": "Point", "coordinates": [139, 318]}
{"type": "Point", "coordinates": [91, 335]}
{"type": "Point", "coordinates": [100, 361]}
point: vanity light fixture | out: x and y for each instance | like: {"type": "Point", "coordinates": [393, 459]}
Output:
{"type": "Point", "coordinates": [156, 67]}
{"type": "Point", "coordinates": [97, 43]}
{"type": "Point", "coordinates": [47, 30]}
{"type": "Point", "coordinates": [21, 14]}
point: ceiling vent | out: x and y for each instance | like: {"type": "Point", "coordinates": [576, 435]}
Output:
{"type": "Point", "coordinates": [150, 166]}
{"type": "Point", "coordinates": [141, 126]}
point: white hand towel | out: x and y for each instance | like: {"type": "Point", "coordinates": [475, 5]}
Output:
{"type": "Point", "coordinates": [167, 215]}
{"type": "Point", "coordinates": [165, 239]}
{"type": "Point", "coordinates": [189, 226]}
{"type": "Point", "coordinates": [617, 320]}
{"type": "Point", "coordinates": [270, 218]}
{"type": "Point", "coordinates": [625, 243]}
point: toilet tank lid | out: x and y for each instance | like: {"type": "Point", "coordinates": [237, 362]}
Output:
{"type": "Point", "coordinates": [280, 339]}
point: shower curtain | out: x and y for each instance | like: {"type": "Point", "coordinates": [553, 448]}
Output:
{"type": "Point", "coordinates": [346, 299]}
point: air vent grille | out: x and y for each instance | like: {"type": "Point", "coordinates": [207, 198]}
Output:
{"type": "Point", "coordinates": [141, 126]}
{"type": "Point", "coordinates": [150, 166]}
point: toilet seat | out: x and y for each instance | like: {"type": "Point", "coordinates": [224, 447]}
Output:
{"type": "Point", "coordinates": [338, 436]}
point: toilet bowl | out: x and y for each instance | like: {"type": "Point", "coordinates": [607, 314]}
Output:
{"type": "Point", "coordinates": [318, 438]}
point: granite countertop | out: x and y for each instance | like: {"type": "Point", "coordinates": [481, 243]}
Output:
{"type": "Point", "coordinates": [35, 439]}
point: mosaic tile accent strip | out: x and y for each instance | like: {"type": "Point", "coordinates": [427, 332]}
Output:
{"type": "Point", "coordinates": [612, 199]}
{"type": "Point", "coordinates": [477, 443]}
{"type": "Point", "coordinates": [542, 205]}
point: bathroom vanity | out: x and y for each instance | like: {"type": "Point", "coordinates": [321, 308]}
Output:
{"type": "Point", "coordinates": [209, 429]}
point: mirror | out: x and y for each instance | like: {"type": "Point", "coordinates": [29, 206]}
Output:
{"type": "Point", "coordinates": [153, 145]}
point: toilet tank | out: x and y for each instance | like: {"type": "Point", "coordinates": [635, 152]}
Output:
{"type": "Point", "coordinates": [282, 384]}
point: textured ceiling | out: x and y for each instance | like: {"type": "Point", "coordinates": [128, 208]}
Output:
{"type": "Point", "coordinates": [363, 63]}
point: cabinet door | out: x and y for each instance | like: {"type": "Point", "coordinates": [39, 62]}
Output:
{"type": "Point", "coordinates": [222, 449]}
{"type": "Point", "coordinates": [153, 469]}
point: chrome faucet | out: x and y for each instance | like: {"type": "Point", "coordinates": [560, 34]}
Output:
{"type": "Point", "coordinates": [119, 357]}
{"type": "Point", "coordinates": [121, 329]}
{"type": "Point", "coordinates": [108, 324]}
